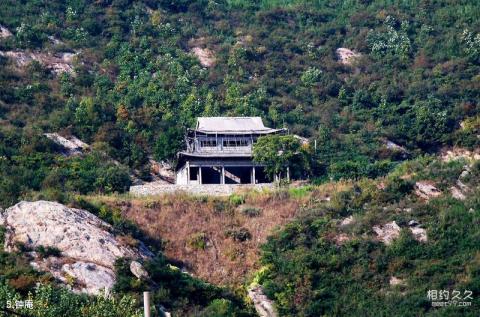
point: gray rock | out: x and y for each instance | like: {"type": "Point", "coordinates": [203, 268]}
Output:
{"type": "Point", "coordinates": [347, 221]}
{"type": "Point", "coordinates": [58, 63]}
{"type": "Point", "coordinates": [346, 56]}
{"type": "Point", "coordinates": [71, 144]}
{"type": "Point", "coordinates": [88, 247]}
{"type": "Point", "coordinates": [413, 223]}
{"type": "Point", "coordinates": [205, 56]}
{"type": "Point", "coordinates": [138, 270]}
{"type": "Point", "coordinates": [393, 146]}
{"type": "Point", "coordinates": [263, 305]}
{"type": "Point", "coordinates": [388, 232]}
{"type": "Point", "coordinates": [426, 190]}
{"type": "Point", "coordinates": [419, 234]}
{"type": "Point", "coordinates": [4, 32]}
{"type": "Point", "coordinates": [90, 277]}
{"type": "Point", "coordinates": [465, 173]}
{"type": "Point", "coordinates": [457, 193]}
{"type": "Point", "coordinates": [394, 281]}
{"type": "Point", "coordinates": [391, 231]}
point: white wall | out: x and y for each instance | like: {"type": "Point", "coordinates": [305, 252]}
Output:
{"type": "Point", "coordinates": [182, 176]}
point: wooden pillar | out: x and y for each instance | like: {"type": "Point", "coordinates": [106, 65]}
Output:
{"type": "Point", "coordinates": [199, 175]}
{"type": "Point", "coordinates": [146, 304]}
{"type": "Point", "coordinates": [222, 177]}
{"type": "Point", "coordinates": [253, 175]}
{"type": "Point", "coordinates": [288, 173]}
{"type": "Point", "coordinates": [188, 172]}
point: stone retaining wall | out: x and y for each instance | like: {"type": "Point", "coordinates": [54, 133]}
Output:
{"type": "Point", "coordinates": [157, 188]}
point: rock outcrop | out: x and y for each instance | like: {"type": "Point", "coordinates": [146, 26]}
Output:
{"type": "Point", "coordinates": [70, 144]}
{"type": "Point", "coordinates": [391, 231]}
{"type": "Point", "coordinates": [451, 154]}
{"type": "Point", "coordinates": [59, 63]}
{"type": "Point", "coordinates": [162, 172]}
{"type": "Point", "coordinates": [457, 193]}
{"type": "Point", "coordinates": [4, 32]}
{"type": "Point", "coordinates": [420, 234]}
{"type": "Point", "coordinates": [346, 56]}
{"type": "Point", "coordinates": [394, 281]}
{"type": "Point", "coordinates": [138, 270]}
{"type": "Point", "coordinates": [388, 232]}
{"type": "Point", "coordinates": [347, 221]}
{"type": "Point", "coordinates": [460, 189]}
{"type": "Point", "coordinates": [87, 245]}
{"type": "Point", "coordinates": [205, 56]}
{"type": "Point", "coordinates": [263, 305]}
{"type": "Point", "coordinates": [426, 190]}
{"type": "Point", "coordinates": [341, 239]}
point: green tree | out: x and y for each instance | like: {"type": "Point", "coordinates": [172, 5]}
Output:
{"type": "Point", "coordinates": [279, 152]}
{"type": "Point", "coordinates": [168, 144]}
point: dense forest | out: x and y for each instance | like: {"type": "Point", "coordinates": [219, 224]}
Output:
{"type": "Point", "coordinates": [128, 77]}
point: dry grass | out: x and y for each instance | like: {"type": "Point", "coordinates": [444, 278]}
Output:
{"type": "Point", "coordinates": [178, 220]}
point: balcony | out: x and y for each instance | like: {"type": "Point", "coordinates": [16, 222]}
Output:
{"type": "Point", "coordinates": [223, 149]}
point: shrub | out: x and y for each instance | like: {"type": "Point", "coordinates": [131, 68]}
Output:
{"type": "Point", "coordinates": [236, 199]}
{"type": "Point", "coordinates": [220, 206]}
{"type": "Point", "coordinates": [49, 301]}
{"type": "Point", "coordinates": [219, 308]}
{"type": "Point", "coordinates": [397, 188]}
{"type": "Point", "coordinates": [198, 241]}
{"type": "Point", "coordinates": [45, 252]}
{"type": "Point", "coordinates": [23, 283]}
{"type": "Point", "coordinates": [277, 152]}
{"type": "Point", "coordinates": [113, 179]}
{"type": "Point", "coordinates": [299, 192]}
{"type": "Point", "coordinates": [251, 211]}
{"type": "Point", "coordinates": [240, 235]}
{"type": "Point", "coordinates": [3, 230]}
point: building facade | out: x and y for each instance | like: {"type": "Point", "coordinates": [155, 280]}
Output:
{"type": "Point", "coordinates": [220, 151]}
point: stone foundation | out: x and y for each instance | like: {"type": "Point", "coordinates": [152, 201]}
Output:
{"type": "Point", "coordinates": [158, 188]}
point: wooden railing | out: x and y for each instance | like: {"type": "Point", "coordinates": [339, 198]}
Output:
{"type": "Point", "coordinates": [225, 149]}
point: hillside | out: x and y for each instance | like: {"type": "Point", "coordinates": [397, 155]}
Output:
{"type": "Point", "coordinates": [357, 248]}
{"type": "Point", "coordinates": [138, 73]}
{"type": "Point", "coordinates": [215, 238]}
{"type": "Point", "coordinates": [78, 262]}
{"type": "Point", "coordinates": [381, 247]}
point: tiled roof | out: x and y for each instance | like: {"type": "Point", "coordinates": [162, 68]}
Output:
{"type": "Point", "coordinates": [232, 125]}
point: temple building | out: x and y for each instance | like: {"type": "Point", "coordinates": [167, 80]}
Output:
{"type": "Point", "coordinates": [219, 151]}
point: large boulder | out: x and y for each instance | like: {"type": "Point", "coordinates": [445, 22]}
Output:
{"type": "Point", "coordinates": [87, 245]}
{"type": "Point", "coordinates": [138, 270]}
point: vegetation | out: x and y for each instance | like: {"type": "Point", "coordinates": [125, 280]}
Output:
{"type": "Point", "coordinates": [310, 273]}
{"type": "Point", "coordinates": [176, 291]}
{"type": "Point", "coordinates": [279, 153]}
{"type": "Point", "coordinates": [49, 301]}
{"type": "Point", "coordinates": [214, 238]}
{"type": "Point", "coordinates": [132, 94]}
